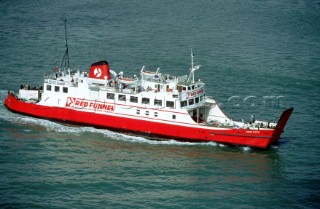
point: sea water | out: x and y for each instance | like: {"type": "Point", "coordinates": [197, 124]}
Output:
{"type": "Point", "coordinates": [257, 58]}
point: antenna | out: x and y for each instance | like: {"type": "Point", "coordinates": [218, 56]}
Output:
{"type": "Point", "coordinates": [65, 59]}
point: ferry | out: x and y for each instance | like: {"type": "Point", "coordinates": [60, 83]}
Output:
{"type": "Point", "coordinates": [152, 104]}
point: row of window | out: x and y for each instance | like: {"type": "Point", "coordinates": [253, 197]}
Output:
{"type": "Point", "coordinates": [57, 89]}
{"type": "Point", "coordinates": [179, 88]}
{"type": "Point", "coordinates": [192, 101]}
{"type": "Point", "coordinates": [134, 99]}
{"type": "Point", "coordinates": [144, 100]}
{"type": "Point", "coordinates": [155, 114]}
{"type": "Point", "coordinates": [184, 88]}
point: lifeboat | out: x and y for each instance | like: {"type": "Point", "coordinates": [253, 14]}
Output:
{"type": "Point", "coordinates": [126, 80]}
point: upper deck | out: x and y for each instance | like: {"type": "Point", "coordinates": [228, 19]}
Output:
{"type": "Point", "coordinates": [182, 91]}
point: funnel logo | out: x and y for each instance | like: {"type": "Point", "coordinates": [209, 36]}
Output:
{"type": "Point", "coordinates": [97, 72]}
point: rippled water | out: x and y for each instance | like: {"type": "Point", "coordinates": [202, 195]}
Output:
{"type": "Point", "coordinates": [247, 49]}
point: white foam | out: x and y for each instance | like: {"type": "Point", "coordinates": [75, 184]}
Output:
{"type": "Point", "coordinates": [221, 145]}
{"type": "Point", "coordinates": [246, 149]}
{"type": "Point", "coordinates": [3, 94]}
{"type": "Point", "coordinates": [139, 139]}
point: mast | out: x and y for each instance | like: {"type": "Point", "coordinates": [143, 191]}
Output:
{"type": "Point", "coordinates": [65, 59]}
{"type": "Point", "coordinates": [191, 59]}
{"type": "Point", "coordinates": [193, 68]}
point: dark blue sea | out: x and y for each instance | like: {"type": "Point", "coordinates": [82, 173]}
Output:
{"type": "Point", "coordinates": [257, 57]}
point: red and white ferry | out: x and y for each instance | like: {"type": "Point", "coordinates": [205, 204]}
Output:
{"type": "Point", "coordinates": [156, 104]}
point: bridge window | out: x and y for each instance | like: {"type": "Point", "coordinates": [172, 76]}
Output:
{"type": "Point", "coordinates": [184, 103]}
{"type": "Point", "coordinates": [145, 100]}
{"type": "Point", "coordinates": [110, 96]}
{"type": "Point", "coordinates": [122, 97]}
{"type": "Point", "coordinates": [65, 89]}
{"type": "Point", "coordinates": [191, 101]}
{"type": "Point", "coordinates": [158, 102]}
{"type": "Point", "coordinates": [57, 88]}
{"type": "Point", "coordinates": [170, 104]}
{"type": "Point", "coordinates": [134, 99]}
{"type": "Point", "coordinates": [197, 100]}
{"type": "Point", "coordinates": [48, 87]}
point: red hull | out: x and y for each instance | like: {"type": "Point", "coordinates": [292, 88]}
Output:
{"type": "Point", "coordinates": [244, 137]}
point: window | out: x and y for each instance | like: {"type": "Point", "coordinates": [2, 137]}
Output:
{"type": "Point", "coordinates": [170, 104]}
{"type": "Point", "coordinates": [184, 88]}
{"type": "Point", "coordinates": [184, 103]}
{"type": "Point", "coordinates": [197, 100]}
{"type": "Point", "coordinates": [189, 88]}
{"type": "Point", "coordinates": [138, 112]}
{"type": "Point", "coordinates": [65, 89]}
{"type": "Point", "coordinates": [110, 96]}
{"type": "Point", "coordinates": [191, 101]}
{"type": "Point", "coordinates": [158, 102]}
{"type": "Point", "coordinates": [147, 112]}
{"type": "Point", "coordinates": [173, 117]}
{"type": "Point", "coordinates": [201, 98]}
{"type": "Point", "coordinates": [122, 97]}
{"type": "Point", "coordinates": [155, 114]}
{"type": "Point", "coordinates": [134, 99]}
{"type": "Point", "coordinates": [57, 88]}
{"type": "Point", "coordinates": [192, 87]}
{"type": "Point", "coordinates": [48, 87]}
{"type": "Point", "coordinates": [175, 96]}
{"type": "Point", "coordinates": [145, 100]}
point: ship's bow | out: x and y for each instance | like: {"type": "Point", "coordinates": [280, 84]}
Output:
{"type": "Point", "coordinates": [281, 124]}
